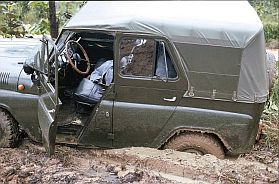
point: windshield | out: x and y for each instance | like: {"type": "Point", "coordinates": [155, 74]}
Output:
{"type": "Point", "coordinates": [63, 38]}
{"type": "Point", "coordinates": [60, 43]}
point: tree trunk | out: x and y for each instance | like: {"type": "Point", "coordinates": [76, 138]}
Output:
{"type": "Point", "coordinates": [52, 19]}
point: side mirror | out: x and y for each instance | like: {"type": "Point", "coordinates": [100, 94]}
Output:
{"type": "Point", "coordinates": [28, 69]}
{"type": "Point", "coordinates": [28, 66]}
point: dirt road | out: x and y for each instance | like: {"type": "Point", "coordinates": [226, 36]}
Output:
{"type": "Point", "coordinates": [30, 164]}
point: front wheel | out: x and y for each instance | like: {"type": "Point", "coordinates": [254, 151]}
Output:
{"type": "Point", "coordinates": [197, 143]}
{"type": "Point", "coordinates": [9, 130]}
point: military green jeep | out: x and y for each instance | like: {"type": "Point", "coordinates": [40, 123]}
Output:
{"type": "Point", "coordinates": [168, 75]}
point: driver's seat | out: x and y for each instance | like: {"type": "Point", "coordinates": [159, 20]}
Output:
{"type": "Point", "coordinates": [90, 91]}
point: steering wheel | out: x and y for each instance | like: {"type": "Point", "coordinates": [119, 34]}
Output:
{"type": "Point", "coordinates": [70, 58]}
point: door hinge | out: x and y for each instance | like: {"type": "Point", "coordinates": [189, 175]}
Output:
{"type": "Point", "coordinates": [110, 136]}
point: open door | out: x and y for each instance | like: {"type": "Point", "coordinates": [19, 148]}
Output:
{"type": "Point", "coordinates": [48, 102]}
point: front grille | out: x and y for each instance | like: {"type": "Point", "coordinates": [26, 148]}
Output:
{"type": "Point", "coordinates": [4, 77]}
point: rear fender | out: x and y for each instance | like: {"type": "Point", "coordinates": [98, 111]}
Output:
{"type": "Point", "coordinates": [236, 131]}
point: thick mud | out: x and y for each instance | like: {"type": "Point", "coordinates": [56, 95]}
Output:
{"type": "Point", "coordinates": [29, 164]}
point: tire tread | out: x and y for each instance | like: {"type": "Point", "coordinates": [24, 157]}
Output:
{"type": "Point", "coordinates": [9, 133]}
{"type": "Point", "coordinates": [201, 141]}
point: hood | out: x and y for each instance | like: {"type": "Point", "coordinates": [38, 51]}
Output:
{"type": "Point", "coordinates": [13, 53]}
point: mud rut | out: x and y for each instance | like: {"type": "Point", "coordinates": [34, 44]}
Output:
{"type": "Point", "coordinates": [29, 164]}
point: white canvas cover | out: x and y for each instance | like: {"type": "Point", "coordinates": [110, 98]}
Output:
{"type": "Point", "coordinates": [220, 42]}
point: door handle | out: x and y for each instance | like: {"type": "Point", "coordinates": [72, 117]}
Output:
{"type": "Point", "coordinates": [170, 99]}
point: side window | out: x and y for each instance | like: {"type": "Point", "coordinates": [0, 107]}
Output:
{"type": "Point", "coordinates": [145, 58]}
{"type": "Point", "coordinates": [137, 57]}
{"type": "Point", "coordinates": [164, 63]}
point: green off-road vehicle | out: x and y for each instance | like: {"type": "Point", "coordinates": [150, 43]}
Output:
{"type": "Point", "coordinates": [178, 75]}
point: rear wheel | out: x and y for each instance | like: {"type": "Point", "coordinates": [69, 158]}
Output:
{"type": "Point", "coordinates": [9, 130]}
{"type": "Point", "coordinates": [197, 143]}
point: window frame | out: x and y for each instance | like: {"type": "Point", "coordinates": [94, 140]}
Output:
{"type": "Point", "coordinates": [167, 51]}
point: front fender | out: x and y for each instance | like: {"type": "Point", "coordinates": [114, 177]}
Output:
{"type": "Point", "coordinates": [235, 130]}
{"type": "Point", "coordinates": [23, 107]}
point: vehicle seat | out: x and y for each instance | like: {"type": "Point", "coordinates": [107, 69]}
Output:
{"type": "Point", "coordinates": [103, 74]}
{"type": "Point", "coordinates": [90, 91]}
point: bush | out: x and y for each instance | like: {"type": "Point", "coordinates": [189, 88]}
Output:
{"type": "Point", "coordinates": [271, 31]}
{"type": "Point", "coordinates": [10, 23]}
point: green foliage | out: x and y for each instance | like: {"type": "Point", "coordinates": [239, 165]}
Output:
{"type": "Point", "coordinates": [275, 94]}
{"type": "Point", "coordinates": [67, 8]}
{"type": "Point", "coordinates": [267, 9]}
{"type": "Point", "coordinates": [271, 31]}
{"type": "Point", "coordinates": [21, 17]}
{"type": "Point", "coordinates": [274, 98]}
{"type": "Point", "coordinates": [268, 13]}
{"type": "Point", "coordinates": [41, 9]}
{"type": "Point", "coordinates": [42, 27]}
{"type": "Point", "coordinates": [11, 23]}
{"type": "Point", "coordinates": [271, 119]}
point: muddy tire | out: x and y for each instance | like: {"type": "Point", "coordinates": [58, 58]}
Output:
{"type": "Point", "coordinates": [198, 143]}
{"type": "Point", "coordinates": [9, 130]}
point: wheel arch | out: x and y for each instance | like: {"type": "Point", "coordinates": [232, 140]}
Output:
{"type": "Point", "coordinates": [8, 109]}
{"type": "Point", "coordinates": [19, 124]}
{"type": "Point", "coordinates": [23, 108]}
{"type": "Point", "coordinates": [213, 134]}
